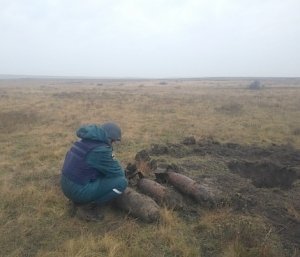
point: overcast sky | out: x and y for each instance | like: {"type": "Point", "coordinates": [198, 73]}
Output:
{"type": "Point", "coordinates": [150, 38]}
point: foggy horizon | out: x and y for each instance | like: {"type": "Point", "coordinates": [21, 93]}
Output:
{"type": "Point", "coordinates": [142, 39]}
{"type": "Point", "coordinates": [66, 77]}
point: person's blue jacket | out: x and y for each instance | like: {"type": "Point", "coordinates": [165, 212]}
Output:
{"type": "Point", "coordinates": [90, 170]}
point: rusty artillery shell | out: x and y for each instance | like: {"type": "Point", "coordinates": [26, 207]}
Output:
{"type": "Point", "coordinates": [138, 205]}
{"type": "Point", "coordinates": [160, 194]}
{"type": "Point", "coordinates": [201, 193]}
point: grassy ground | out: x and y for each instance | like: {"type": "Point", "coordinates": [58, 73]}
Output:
{"type": "Point", "coordinates": [37, 124]}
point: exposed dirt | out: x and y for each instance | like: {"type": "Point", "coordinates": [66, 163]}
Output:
{"type": "Point", "coordinates": [252, 179]}
{"type": "Point", "coordinates": [264, 174]}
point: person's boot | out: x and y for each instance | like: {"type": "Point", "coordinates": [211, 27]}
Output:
{"type": "Point", "coordinates": [88, 212]}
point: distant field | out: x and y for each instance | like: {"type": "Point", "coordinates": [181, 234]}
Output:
{"type": "Point", "coordinates": [38, 119]}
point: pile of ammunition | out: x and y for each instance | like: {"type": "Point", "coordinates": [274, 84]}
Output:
{"type": "Point", "coordinates": [145, 205]}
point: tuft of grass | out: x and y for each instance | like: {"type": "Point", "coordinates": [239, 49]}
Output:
{"type": "Point", "coordinates": [296, 132]}
{"type": "Point", "coordinates": [177, 235]}
{"type": "Point", "coordinates": [230, 108]}
{"type": "Point", "coordinates": [227, 234]}
{"type": "Point", "coordinates": [87, 246]}
{"type": "Point", "coordinates": [14, 120]}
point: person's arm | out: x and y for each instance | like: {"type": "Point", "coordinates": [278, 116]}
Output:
{"type": "Point", "coordinates": [102, 160]}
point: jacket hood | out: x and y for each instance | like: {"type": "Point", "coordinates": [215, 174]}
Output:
{"type": "Point", "coordinates": [92, 132]}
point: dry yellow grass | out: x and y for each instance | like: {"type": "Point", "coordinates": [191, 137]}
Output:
{"type": "Point", "coordinates": [37, 124]}
{"type": "Point", "coordinates": [239, 235]}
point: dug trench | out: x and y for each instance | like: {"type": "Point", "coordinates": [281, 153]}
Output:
{"type": "Point", "coordinates": [248, 179]}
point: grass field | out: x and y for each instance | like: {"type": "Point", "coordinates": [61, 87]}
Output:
{"type": "Point", "coordinates": [38, 119]}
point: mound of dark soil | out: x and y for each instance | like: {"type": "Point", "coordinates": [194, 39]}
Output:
{"type": "Point", "coordinates": [283, 154]}
{"type": "Point", "coordinates": [262, 181]}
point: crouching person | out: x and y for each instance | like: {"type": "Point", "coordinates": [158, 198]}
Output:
{"type": "Point", "coordinates": [91, 176]}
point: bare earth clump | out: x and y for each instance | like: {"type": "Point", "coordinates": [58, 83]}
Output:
{"type": "Point", "coordinates": [249, 179]}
